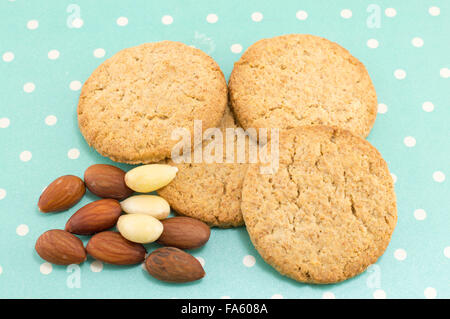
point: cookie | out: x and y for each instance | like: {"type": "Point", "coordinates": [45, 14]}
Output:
{"type": "Point", "coordinates": [209, 192]}
{"type": "Point", "coordinates": [132, 102]}
{"type": "Point", "coordinates": [297, 79]}
{"type": "Point", "coordinates": [328, 212]}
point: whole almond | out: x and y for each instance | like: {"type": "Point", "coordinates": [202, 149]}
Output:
{"type": "Point", "coordinates": [139, 228]}
{"type": "Point", "coordinates": [150, 177]}
{"type": "Point", "coordinates": [61, 194]}
{"type": "Point", "coordinates": [184, 233]}
{"type": "Point", "coordinates": [60, 247]}
{"type": "Point", "coordinates": [110, 247]}
{"type": "Point", "coordinates": [94, 217]}
{"type": "Point", "coordinates": [106, 181]}
{"type": "Point", "coordinates": [151, 205]}
{"type": "Point", "coordinates": [173, 265]}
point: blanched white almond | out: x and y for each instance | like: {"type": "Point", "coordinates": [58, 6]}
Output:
{"type": "Point", "coordinates": [148, 178]}
{"type": "Point", "coordinates": [151, 205]}
{"type": "Point", "coordinates": [139, 228]}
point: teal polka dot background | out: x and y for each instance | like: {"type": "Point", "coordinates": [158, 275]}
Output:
{"type": "Point", "coordinates": [49, 48]}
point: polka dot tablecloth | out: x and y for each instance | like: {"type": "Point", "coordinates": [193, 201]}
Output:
{"type": "Point", "coordinates": [49, 48]}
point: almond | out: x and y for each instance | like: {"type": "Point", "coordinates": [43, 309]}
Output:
{"type": "Point", "coordinates": [60, 247]}
{"type": "Point", "coordinates": [107, 181]}
{"type": "Point", "coordinates": [94, 217]}
{"type": "Point", "coordinates": [151, 205]}
{"type": "Point", "coordinates": [110, 247]}
{"type": "Point", "coordinates": [149, 178]}
{"type": "Point", "coordinates": [61, 194]}
{"type": "Point", "coordinates": [184, 233]}
{"type": "Point", "coordinates": [173, 265]}
{"type": "Point", "coordinates": [139, 228]}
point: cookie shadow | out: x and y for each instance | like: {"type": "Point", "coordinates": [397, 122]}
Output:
{"type": "Point", "coordinates": [268, 270]}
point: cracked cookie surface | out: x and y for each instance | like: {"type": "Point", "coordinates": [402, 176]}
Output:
{"type": "Point", "coordinates": [209, 192]}
{"type": "Point", "coordinates": [133, 101]}
{"type": "Point", "coordinates": [294, 80]}
{"type": "Point", "coordinates": [329, 210]}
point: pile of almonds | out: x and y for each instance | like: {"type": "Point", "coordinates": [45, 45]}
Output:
{"type": "Point", "coordinates": [145, 221]}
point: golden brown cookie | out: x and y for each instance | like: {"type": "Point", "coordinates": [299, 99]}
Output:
{"type": "Point", "coordinates": [132, 102]}
{"type": "Point", "coordinates": [209, 192]}
{"type": "Point", "coordinates": [329, 210]}
{"type": "Point", "coordinates": [298, 79]}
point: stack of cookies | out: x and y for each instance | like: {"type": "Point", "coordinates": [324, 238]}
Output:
{"type": "Point", "coordinates": [326, 213]}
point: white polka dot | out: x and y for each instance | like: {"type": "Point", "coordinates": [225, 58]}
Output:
{"type": "Point", "coordinates": [2, 193]}
{"type": "Point", "coordinates": [75, 85]}
{"type": "Point", "coordinates": [444, 73]}
{"type": "Point", "coordinates": [379, 294]}
{"type": "Point", "coordinates": [390, 12]}
{"type": "Point", "coordinates": [73, 153]}
{"type": "Point", "coordinates": [51, 120]}
{"type": "Point", "coordinates": [4, 122]}
{"type": "Point", "coordinates": [447, 251]}
{"type": "Point", "coordinates": [201, 261]}
{"type": "Point", "coordinates": [346, 13]}
{"type": "Point", "coordinates": [301, 15]}
{"type": "Point", "coordinates": [8, 56]}
{"type": "Point", "coordinates": [394, 178]}
{"type": "Point", "coordinates": [25, 156]}
{"type": "Point", "coordinates": [53, 54]}
{"type": "Point", "coordinates": [96, 266]}
{"type": "Point", "coordinates": [1, 270]}
{"type": "Point", "coordinates": [430, 293]}
{"type": "Point", "coordinates": [257, 16]}
{"type": "Point", "coordinates": [122, 21]}
{"type": "Point", "coordinates": [212, 18]}
{"type": "Point", "coordinates": [22, 230]}
{"type": "Point", "coordinates": [249, 261]}
{"type": "Point", "coordinates": [99, 53]}
{"type": "Point", "coordinates": [33, 24]}
{"type": "Point", "coordinates": [46, 268]}
{"type": "Point", "coordinates": [400, 254]}
{"type": "Point", "coordinates": [225, 297]}
{"type": "Point", "coordinates": [409, 141]}
{"type": "Point", "coordinates": [167, 20]}
{"type": "Point", "coordinates": [417, 42]}
{"type": "Point", "coordinates": [400, 74]}
{"type": "Point", "coordinates": [372, 43]}
{"type": "Point", "coordinates": [382, 108]}
{"type": "Point", "coordinates": [328, 295]}
{"type": "Point", "coordinates": [236, 48]}
{"type": "Point", "coordinates": [277, 296]}
{"type": "Point", "coordinates": [29, 87]}
{"type": "Point", "coordinates": [428, 106]}
{"type": "Point", "coordinates": [439, 176]}
{"type": "Point", "coordinates": [420, 214]}
{"type": "Point", "coordinates": [77, 23]}
{"type": "Point", "coordinates": [434, 11]}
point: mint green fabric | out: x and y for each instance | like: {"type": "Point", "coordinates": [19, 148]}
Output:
{"type": "Point", "coordinates": [49, 48]}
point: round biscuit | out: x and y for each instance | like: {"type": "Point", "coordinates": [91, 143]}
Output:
{"type": "Point", "coordinates": [329, 210]}
{"type": "Point", "coordinates": [297, 79]}
{"type": "Point", "coordinates": [131, 104]}
{"type": "Point", "coordinates": [210, 192]}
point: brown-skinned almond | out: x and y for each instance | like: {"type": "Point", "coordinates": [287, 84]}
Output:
{"type": "Point", "coordinates": [94, 217]}
{"type": "Point", "coordinates": [173, 265]}
{"type": "Point", "coordinates": [107, 181]}
{"type": "Point", "coordinates": [60, 247]}
{"type": "Point", "coordinates": [110, 247]}
{"type": "Point", "coordinates": [184, 233]}
{"type": "Point", "coordinates": [63, 193]}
